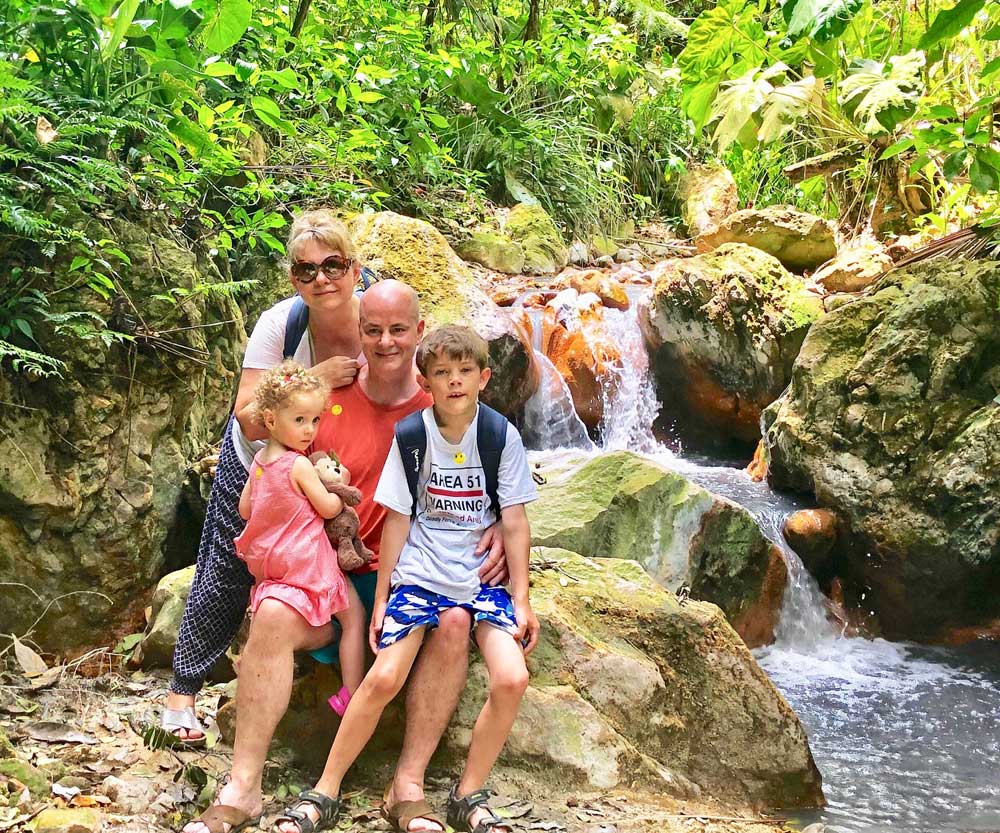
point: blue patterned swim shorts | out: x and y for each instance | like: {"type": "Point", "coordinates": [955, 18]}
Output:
{"type": "Point", "coordinates": [412, 607]}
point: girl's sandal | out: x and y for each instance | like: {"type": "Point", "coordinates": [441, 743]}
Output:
{"type": "Point", "coordinates": [329, 811]}
{"type": "Point", "coordinates": [461, 809]}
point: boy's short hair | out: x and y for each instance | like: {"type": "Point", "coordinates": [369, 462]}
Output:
{"type": "Point", "coordinates": [455, 342]}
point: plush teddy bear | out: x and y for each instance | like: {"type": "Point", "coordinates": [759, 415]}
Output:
{"type": "Point", "coordinates": [343, 529]}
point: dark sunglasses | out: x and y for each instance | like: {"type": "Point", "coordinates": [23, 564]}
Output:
{"type": "Point", "coordinates": [333, 267]}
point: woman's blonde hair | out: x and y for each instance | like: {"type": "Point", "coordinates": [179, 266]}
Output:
{"type": "Point", "coordinates": [282, 382]}
{"type": "Point", "coordinates": [323, 226]}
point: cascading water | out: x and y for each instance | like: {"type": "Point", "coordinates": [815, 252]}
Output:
{"type": "Point", "coordinates": [550, 420]}
{"type": "Point", "coordinates": [907, 737]}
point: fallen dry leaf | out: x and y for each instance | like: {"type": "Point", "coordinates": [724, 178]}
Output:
{"type": "Point", "coordinates": [44, 131]}
{"type": "Point", "coordinates": [52, 732]}
{"type": "Point", "coordinates": [30, 662]}
{"type": "Point", "coordinates": [47, 678]}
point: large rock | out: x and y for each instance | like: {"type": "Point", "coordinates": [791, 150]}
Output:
{"type": "Point", "coordinates": [416, 253]}
{"type": "Point", "coordinates": [621, 505]}
{"type": "Point", "coordinates": [891, 419]}
{"type": "Point", "coordinates": [165, 618]}
{"type": "Point", "coordinates": [492, 250]}
{"type": "Point", "coordinates": [722, 330]}
{"type": "Point", "coordinates": [540, 240]}
{"type": "Point", "coordinates": [799, 240]}
{"type": "Point", "coordinates": [857, 265]}
{"type": "Point", "coordinates": [708, 195]}
{"type": "Point", "coordinates": [90, 465]}
{"type": "Point", "coordinates": [615, 646]}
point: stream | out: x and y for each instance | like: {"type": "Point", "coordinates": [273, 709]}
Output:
{"type": "Point", "coordinates": [907, 737]}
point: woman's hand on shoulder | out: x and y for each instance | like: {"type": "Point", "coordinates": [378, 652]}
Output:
{"type": "Point", "coordinates": [337, 371]}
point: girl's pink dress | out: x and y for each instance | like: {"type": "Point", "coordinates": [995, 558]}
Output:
{"type": "Point", "coordinates": [285, 546]}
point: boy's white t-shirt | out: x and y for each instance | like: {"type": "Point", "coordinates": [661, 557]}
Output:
{"type": "Point", "coordinates": [453, 508]}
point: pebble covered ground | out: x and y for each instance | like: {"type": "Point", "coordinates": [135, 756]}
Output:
{"type": "Point", "coordinates": [79, 759]}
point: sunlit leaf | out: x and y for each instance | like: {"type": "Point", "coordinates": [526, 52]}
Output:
{"type": "Point", "coordinates": [123, 19]}
{"type": "Point", "coordinates": [949, 22]}
{"type": "Point", "coordinates": [785, 105]}
{"type": "Point", "coordinates": [225, 23]}
{"type": "Point", "coordinates": [819, 19]}
{"type": "Point", "coordinates": [879, 95]}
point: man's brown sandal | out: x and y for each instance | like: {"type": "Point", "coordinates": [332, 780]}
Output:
{"type": "Point", "coordinates": [218, 815]}
{"type": "Point", "coordinates": [401, 814]}
{"type": "Point", "coordinates": [328, 808]}
{"type": "Point", "coordinates": [460, 810]}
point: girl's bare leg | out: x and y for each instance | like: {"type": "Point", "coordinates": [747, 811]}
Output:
{"type": "Point", "coordinates": [382, 682]}
{"type": "Point", "coordinates": [353, 633]}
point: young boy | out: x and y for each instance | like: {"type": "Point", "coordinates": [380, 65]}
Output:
{"type": "Point", "coordinates": [428, 564]}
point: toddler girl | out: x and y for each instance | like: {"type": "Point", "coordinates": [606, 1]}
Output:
{"type": "Point", "coordinates": [284, 545]}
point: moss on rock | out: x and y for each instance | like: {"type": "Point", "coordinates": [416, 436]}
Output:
{"type": "Point", "coordinates": [492, 250]}
{"type": "Point", "coordinates": [542, 243]}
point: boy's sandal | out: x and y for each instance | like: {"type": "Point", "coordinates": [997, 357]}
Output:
{"type": "Point", "coordinates": [218, 815]}
{"type": "Point", "coordinates": [328, 808]}
{"type": "Point", "coordinates": [173, 719]}
{"type": "Point", "coordinates": [460, 809]}
{"type": "Point", "coordinates": [402, 813]}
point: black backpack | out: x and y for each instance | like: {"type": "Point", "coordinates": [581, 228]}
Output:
{"type": "Point", "coordinates": [491, 437]}
{"type": "Point", "coordinates": [298, 315]}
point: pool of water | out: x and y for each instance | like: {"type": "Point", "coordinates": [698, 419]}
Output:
{"type": "Point", "coordinates": [907, 737]}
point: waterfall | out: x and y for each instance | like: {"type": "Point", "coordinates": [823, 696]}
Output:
{"type": "Point", "coordinates": [630, 403]}
{"type": "Point", "coordinates": [550, 420]}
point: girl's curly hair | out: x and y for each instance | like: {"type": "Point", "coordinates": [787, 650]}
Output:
{"type": "Point", "coordinates": [281, 382]}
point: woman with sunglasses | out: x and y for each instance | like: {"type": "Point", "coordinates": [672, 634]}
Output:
{"type": "Point", "coordinates": [323, 269]}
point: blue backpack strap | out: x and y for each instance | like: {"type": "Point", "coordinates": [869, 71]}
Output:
{"type": "Point", "coordinates": [491, 438]}
{"type": "Point", "coordinates": [295, 326]}
{"type": "Point", "coordinates": [411, 437]}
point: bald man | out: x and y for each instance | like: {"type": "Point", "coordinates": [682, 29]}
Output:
{"type": "Point", "coordinates": [358, 425]}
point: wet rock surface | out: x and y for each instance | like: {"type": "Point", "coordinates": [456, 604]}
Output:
{"type": "Point", "coordinates": [722, 330]}
{"type": "Point", "coordinates": [891, 421]}
{"type": "Point", "coordinates": [625, 506]}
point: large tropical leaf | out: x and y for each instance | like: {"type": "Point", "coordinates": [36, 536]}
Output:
{"type": "Point", "coordinates": [225, 23]}
{"type": "Point", "coordinates": [949, 22]}
{"type": "Point", "coordinates": [819, 19]}
{"type": "Point", "coordinates": [785, 105]}
{"type": "Point", "coordinates": [738, 100]}
{"type": "Point", "coordinates": [877, 96]}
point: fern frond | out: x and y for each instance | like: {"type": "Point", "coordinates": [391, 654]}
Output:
{"type": "Point", "coordinates": [30, 362]}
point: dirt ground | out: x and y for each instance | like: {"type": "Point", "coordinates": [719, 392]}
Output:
{"type": "Point", "coordinates": [82, 744]}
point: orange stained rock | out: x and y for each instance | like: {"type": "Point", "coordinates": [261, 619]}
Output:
{"type": "Point", "coordinates": [578, 344]}
{"type": "Point", "coordinates": [758, 465]}
{"type": "Point", "coordinates": [608, 289]}
{"type": "Point", "coordinates": [757, 624]}
{"type": "Point", "coordinates": [716, 406]}
{"type": "Point", "coordinates": [811, 531]}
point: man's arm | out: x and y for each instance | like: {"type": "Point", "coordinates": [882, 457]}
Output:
{"type": "Point", "coordinates": [394, 532]}
{"type": "Point", "coordinates": [245, 496]}
{"type": "Point", "coordinates": [494, 569]}
{"type": "Point", "coordinates": [517, 542]}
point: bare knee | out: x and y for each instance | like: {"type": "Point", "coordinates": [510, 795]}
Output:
{"type": "Point", "coordinates": [509, 683]}
{"type": "Point", "coordinates": [381, 684]}
{"type": "Point", "coordinates": [352, 619]}
{"type": "Point", "coordinates": [273, 623]}
{"type": "Point", "coordinates": [452, 633]}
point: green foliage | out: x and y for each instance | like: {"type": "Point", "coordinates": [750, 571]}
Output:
{"type": "Point", "coordinates": [857, 78]}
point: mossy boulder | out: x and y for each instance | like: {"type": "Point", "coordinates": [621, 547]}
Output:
{"type": "Point", "coordinates": [492, 250]}
{"type": "Point", "coordinates": [165, 618]}
{"type": "Point", "coordinates": [34, 779]}
{"type": "Point", "coordinates": [67, 820]}
{"type": "Point", "coordinates": [857, 265]}
{"type": "Point", "coordinates": [91, 463]}
{"type": "Point", "coordinates": [621, 505]}
{"type": "Point", "coordinates": [723, 330]}
{"type": "Point", "coordinates": [416, 253]}
{"type": "Point", "coordinates": [540, 240]}
{"type": "Point", "coordinates": [799, 240]}
{"type": "Point", "coordinates": [892, 420]}
{"type": "Point", "coordinates": [708, 195]}
{"type": "Point", "coordinates": [629, 686]}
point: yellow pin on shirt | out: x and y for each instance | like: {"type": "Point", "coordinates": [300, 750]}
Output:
{"type": "Point", "coordinates": [337, 410]}
{"type": "Point", "coordinates": [260, 471]}
{"type": "Point", "coordinates": [460, 458]}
